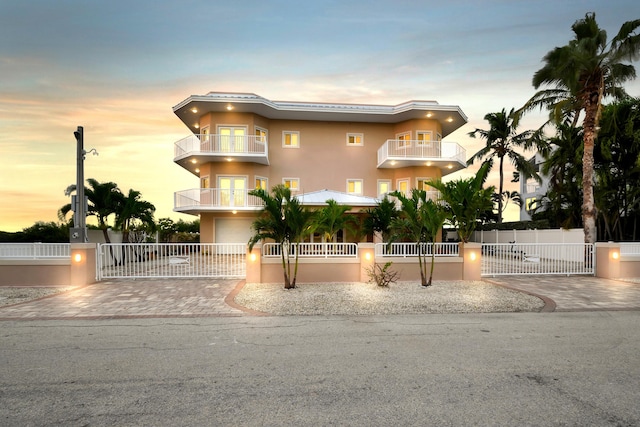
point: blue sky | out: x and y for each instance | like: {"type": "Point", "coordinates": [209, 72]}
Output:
{"type": "Point", "coordinates": [118, 67]}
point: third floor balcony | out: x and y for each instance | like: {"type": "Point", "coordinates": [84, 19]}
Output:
{"type": "Point", "coordinates": [399, 153]}
{"type": "Point", "coordinates": [205, 148]}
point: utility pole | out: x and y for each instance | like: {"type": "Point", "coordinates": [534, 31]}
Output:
{"type": "Point", "coordinates": [78, 234]}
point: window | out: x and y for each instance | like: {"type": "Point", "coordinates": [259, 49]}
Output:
{"type": "Point", "coordinates": [261, 135]}
{"type": "Point", "coordinates": [404, 139]}
{"type": "Point", "coordinates": [424, 137]}
{"type": "Point", "coordinates": [204, 181]}
{"type": "Point", "coordinates": [261, 182]}
{"type": "Point", "coordinates": [384, 187]}
{"type": "Point", "coordinates": [422, 184]}
{"type": "Point", "coordinates": [354, 186]}
{"type": "Point", "coordinates": [355, 139]}
{"type": "Point", "coordinates": [292, 183]}
{"type": "Point", "coordinates": [290, 139]}
{"type": "Point", "coordinates": [531, 204]}
{"type": "Point", "coordinates": [403, 186]}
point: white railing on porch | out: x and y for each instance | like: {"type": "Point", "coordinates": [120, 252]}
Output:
{"type": "Point", "coordinates": [416, 149]}
{"type": "Point", "coordinates": [35, 250]}
{"type": "Point", "coordinates": [157, 260]}
{"type": "Point", "coordinates": [313, 250]}
{"type": "Point", "coordinates": [221, 144]}
{"type": "Point", "coordinates": [216, 198]}
{"type": "Point", "coordinates": [532, 258]}
{"type": "Point", "coordinates": [411, 249]}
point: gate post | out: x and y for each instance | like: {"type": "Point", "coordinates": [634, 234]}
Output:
{"type": "Point", "coordinates": [83, 264]}
{"type": "Point", "coordinates": [366, 252]}
{"type": "Point", "coordinates": [254, 264]}
{"type": "Point", "coordinates": [471, 262]}
{"type": "Point", "coordinates": [607, 260]}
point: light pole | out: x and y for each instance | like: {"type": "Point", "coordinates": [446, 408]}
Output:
{"type": "Point", "coordinates": [78, 233]}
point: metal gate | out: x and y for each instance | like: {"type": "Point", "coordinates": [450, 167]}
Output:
{"type": "Point", "coordinates": [537, 258]}
{"type": "Point", "coordinates": [162, 260]}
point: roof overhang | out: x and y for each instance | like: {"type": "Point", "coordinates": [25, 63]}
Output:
{"type": "Point", "coordinates": [450, 117]}
{"type": "Point", "coordinates": [319, 198]}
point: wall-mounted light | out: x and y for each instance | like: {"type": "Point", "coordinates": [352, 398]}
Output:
{"type": "Point", "coordinates": [253, 257]}
{"type": "Point", "coordinates": [367, 256]}
{"type": "Point", "coordinates": [615, 255]}
{"type": "Point", "coordinates": [77, 257]}
{"type": "Point", "coordinates": [472, 256]}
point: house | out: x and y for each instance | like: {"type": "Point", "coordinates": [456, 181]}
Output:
{"type": "Point", "coordinates": [351, 152]}
{"type": "Point", "coordinates": [531, 190]}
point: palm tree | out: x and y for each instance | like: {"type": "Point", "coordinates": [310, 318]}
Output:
{"type": "Point", "coordinates": [420, 221]}
{"type": "Point", "coordinates": [379, 218]}
{"type": "Point", "coordinates": [581, 73]}
{"type": "Point", "coordinates": [502, 141]}
{"type": "Point", "coordinates": [466, 201]}
{"type": "Point", "coordinates": [285, 221]}
{"type": "Point", "coordinates": [332, 218]}
{"type": "Point", "coordinates": [132, 208]}
{"type": "Point", "coordinates": [104, 200]}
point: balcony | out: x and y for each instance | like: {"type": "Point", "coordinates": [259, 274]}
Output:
{"type": "Point", "coordinates": [205, 148]}
{"type": "Point", "coordinates": [197, 200]}
{"type": "Point", "coordinates": [399, 153]}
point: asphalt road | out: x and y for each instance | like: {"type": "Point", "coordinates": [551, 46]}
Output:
{"type": "Point", "coordinates": [542, 369]}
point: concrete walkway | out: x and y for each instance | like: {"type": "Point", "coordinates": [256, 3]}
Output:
{"type": "Point", "coordinates": [157, 298]}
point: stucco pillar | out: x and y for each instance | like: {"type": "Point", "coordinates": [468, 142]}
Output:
{"type": "Point", "coordinates": [366, 251]}
{"type": "Point", "coordinates": [471, 260]}
{"type": "Point", "coordinates": [254, 264]}
{"type": "Point", "coordinates": [83, 264]}
{"type": "Point", "coordinates": [607, 260]}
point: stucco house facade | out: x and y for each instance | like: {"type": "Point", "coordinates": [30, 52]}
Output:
{"type": "Point", "coordinates": [352, 153]}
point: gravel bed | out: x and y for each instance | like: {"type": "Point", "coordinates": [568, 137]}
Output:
{"type": "Point", "coordinates": [15, 295]}
{"type": "Point", "coordinates": [398, 298]}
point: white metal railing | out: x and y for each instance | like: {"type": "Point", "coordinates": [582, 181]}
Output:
{"type": "Point", "coordinates": [537, 258]}
{"type": "Point", "coordinates": [221, 144]}
{"type": "Point", "coordinates": [412, 249]}
{"type": "Point", "coordinates": [416, 149]}
{"type": "Point", "coordinates": [313, 250]}
{"type": "Point", "coordinates": [35, 250]}
{"type": "Point", "coordinates": [156, 260]}
{"type": "Point", "coordinates": [629, 248]}
{"type": "Point", "coordinates": [216, 198]}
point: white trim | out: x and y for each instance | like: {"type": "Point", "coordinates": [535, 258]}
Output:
{"type": "Point", "coordinates": [266, 180]}
{"type": "Point", "coordinates": [407, 140]}
{"type": "Point", "coordinates": [407, 180]}
{"type": "Point", "coordinates": [261, 129]}
{"type": "Point", "coordinates": [419, 179]}
{"type": "Point", "coordinates": [290, 132]}
{"type": "Point", "coordinates": [424, 132]}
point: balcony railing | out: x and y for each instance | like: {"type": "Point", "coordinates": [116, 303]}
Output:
{"type": "Point", "coordinates": [401, 153]}
{"type": "Point", "coordinates": [253, 147]}
{"type": "Point", "coordinates": [215, 199]}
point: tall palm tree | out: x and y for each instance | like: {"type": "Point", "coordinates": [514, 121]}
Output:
{"type": "Point", "coordinates": [132, 208]}
{"type": "Point", "coordinates": [466, 201]}
{"type": "Point", "coordinates": [283, 220]}
{"type": "Point", "coordinates": [379, 218]}
{"type": "Point", "coordinates": [581, 73]}
{"type": "Point", "coordinates": [502, 140]}
{"type": "Point", "coordinates": [332, 218]}
{"type": "Point", "coordinates": [104, 200]}
{"type": "Point", "coordinates": [419, 221]}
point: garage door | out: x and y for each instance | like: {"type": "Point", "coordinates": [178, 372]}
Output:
{"type": "Point", "coordinates": [233, 230]}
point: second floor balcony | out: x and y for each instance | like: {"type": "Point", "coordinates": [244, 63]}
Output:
{"type": "Point", "coordinates": [197, 200]}
{"type": "Point", "coordinates": [205, 148]}
{"type": "Point", "coordinates": [399, 153]}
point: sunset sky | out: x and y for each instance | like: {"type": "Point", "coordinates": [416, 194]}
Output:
{"type": "Point", "coordinates": [117, 68]}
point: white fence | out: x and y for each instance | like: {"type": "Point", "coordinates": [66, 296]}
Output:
{"type": "Point", "coordinates": [560, 235]}
{"type": "Point", "coordinates": [412, 249]}
{"type": "Point", "coordinates": [156, 260]}
{"type": "Point", "coordinates": [629, 248]}
{"type": "Point", "coordinates": [35, 250]}
{"type": "Point", "coordinates": [313, 250]}
{"type": "Point", "coordinates": [532, 258]}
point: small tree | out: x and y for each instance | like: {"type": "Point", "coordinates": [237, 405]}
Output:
{"type": "Point", "coordinates": [466, 201]}
{"type": "Point", "coordinates": [332, 218]}
{"type": "Point", "coordinates": [420, 221]}
{"type": "Point", "coordinates": [285, 221]}
{"type": "Point", "coordinates": [379, 218]}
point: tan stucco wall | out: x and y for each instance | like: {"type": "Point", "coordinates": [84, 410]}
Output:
{"type": "Point", "coordinates": [630, 266]}
{"type": "Point", "coordinates": [32, 272]}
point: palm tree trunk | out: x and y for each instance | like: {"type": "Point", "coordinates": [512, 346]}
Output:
{"type": "Point", "coordinates": [591, 107]}
{"type": "Point", "coordinates": [500, 193]}
{"type": "Point", "coordinates": [423, 279]}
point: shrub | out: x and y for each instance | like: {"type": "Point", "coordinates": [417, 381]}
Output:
{"type": "Point", "coordinates": [382, 275]}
